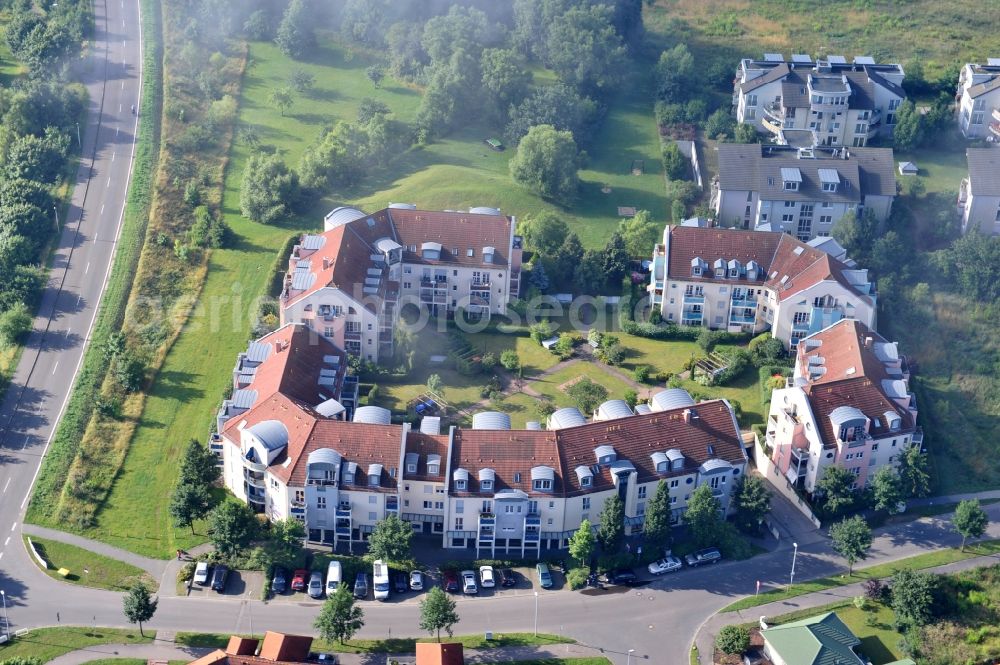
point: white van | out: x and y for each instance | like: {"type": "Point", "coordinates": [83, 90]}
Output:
{"type": "Point", "coordinates": [380, 578]}
{"type": "Point", "coordinates": [334, 574]}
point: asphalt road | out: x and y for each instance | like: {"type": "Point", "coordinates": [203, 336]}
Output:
{"type": "Point", "coordinates": [659, 620]}
{"type": "Point", "coordinates": [82, 261]}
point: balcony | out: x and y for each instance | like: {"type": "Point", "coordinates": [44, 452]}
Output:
{"type": "Point", "coordinates": [694, 299]}
{"type": "Point", "coordinates": [321, 481]}
{"type": "Point", "coordinates": [479, 284]}
{"type": "Point", "coordinates": [747, 300]}
{"type": "Point", "coordinates": [775, 112]}
{"type": "Point", "coordinates": [430, 282]}
{"type": "Point", "coordinates": [691, 318]}
{"type": "Point", "coordinates": [298, 510]}
{"type": "Point", "coordinates": [995, 128]}
{"type": "Point", "coordinates": [343, 511]}
{"type": "Point", "coordinates": [254, 479]}
{"type": "Point", "coordinates": [741, 319]}
{"type": "Point", "coordinates": [918, 437]}
{"type": "Point", "coordinates": [801, 325]}
{"type": "Point", "coordinates": [875, 120]}
{"type": "Point", "coordinates": [392, 504]}
{"type": "Point", "coordinates": [254, 466]}
{"type": "Point", "coordinates": [771, 126]}
{"type": "Point", "coordinates": [996, 114]}
{"type": "Point", "coordinates": [352, 335]}
{"type": "Point", "coordinates": [254, 495]}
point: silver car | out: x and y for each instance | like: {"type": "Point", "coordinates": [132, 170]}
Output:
{"type": "Point", "coordinates": [316, 584]}
{"type": "Point", "coordinates": [416, 581]}
{"type": "Point", "coordinates": [201, 573]}
{"type": "Point", "coordinates": [669, 564]}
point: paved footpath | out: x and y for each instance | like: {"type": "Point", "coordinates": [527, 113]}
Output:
{"type": "Point", "coordinates": [169, 651]}
{"type": "Point", "coordinates": [155, 567]}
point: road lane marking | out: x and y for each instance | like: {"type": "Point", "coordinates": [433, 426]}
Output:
{"type": "Point", "coordinates": [113, 156]}
{"type": "Point", "coordinates": [119, 108]}
{"type": "Point", "coordinates": [102, 208]}
{"type": "Point", "coordinates": [87, 269]}
{"type": "Point", "coordinates": [109, 182]}
{"type": "Point", "coordinates": [25, 443]}
{"type": "Point", "coordinates": [1, 553]}
{"type": "Point", "coordinates": [55, 367]}
{"type": "Point", "coordinates": [116, 132]}
{"type": "Point", "coordinates": [6, 541]}
{"type": "Point", "coordinates": [13, 526]}
{"type": "Point", "coordinates": [6, 485]}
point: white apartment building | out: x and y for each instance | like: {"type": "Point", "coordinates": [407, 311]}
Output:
{"type": "Point", "coordinates": [752, 281]}
{"type": "Point", "coordinates": [979, 193]}
{"type": "Point", "coordinates": [978, 108]}
{"type": "Point", "coordinates": [830, 102]}
{"type": "Point", "coordinates": [350, 281]}
{"type": "Point", "coordinates": [486, 487]}
{"type": "Point", "coordinates": [802, 191]}
{"type": "Point", "coordinates": [848, 404]}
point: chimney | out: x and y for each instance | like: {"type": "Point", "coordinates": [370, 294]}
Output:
{"type": "Point", "coordinates": [868, 342]}
{"type": "Point", "coordinates": [326, 263]}
{"type": "Point", "coordinates": [277, 346]}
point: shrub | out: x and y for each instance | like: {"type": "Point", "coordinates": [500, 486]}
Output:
{"type": "Point", "coordinates": [614, 561]}
{"type": "Point", "coordinates": [641, 373]}
{"type": "Point", "coordinates": [488, 362]}
{"type": "Point", "coordinates": [733, 640]}
{"type": "Point", "coordinates": [576, 578]}
{"type": "Point", "coordinates": [875, 590]}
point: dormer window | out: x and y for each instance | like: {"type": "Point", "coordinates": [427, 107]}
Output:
{"type": "Point", "coordinates": [350, 471]}
{"type": "Point", "coordinates": [412, 460]}
{"type": "Point", "coordinates": [486, 485]}
{"type": "Point", "coordinates": [461, 478]}
{"type": "Point", "coordinates": [791, 186]}
{"type": "Point", "coordinates": [461, 485]}
{"type": "Point", "coordinates": [698, 267]}
{"type": "Point", "coordinates": [374, 475]}
{"type": "Point", "coordinates": [791, 177]}
{"type": "Point", "coordinates": [605, 454]}
{"type": "Point", "coordinates": [542, 478]}
{"type": "Point", "coordinates": [433, 465]}
{"type": "Point", "coordinates": [542, 485]}
{"type": "Point", "coordinates": [411, 468]}
{"type": "Point", "coordinates": [587, 481]}
{"type": "Point", "coordinates": [486, 480]}
{"type": "Point", "coordinates": [830, 179]}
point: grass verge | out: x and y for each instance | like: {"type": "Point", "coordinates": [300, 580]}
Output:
{"type": "Point", "coordinates": [919, 562]}
{"type": "Point", "coordinates": [88, 568]}
{"type": "Point", "coordinates": [65, 444]}
{"type": "Point", "coordinates": [395, 644]}
{"type": "Point", "coordinates": [48, 643]}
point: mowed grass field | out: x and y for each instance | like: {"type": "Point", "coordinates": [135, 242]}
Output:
{"type": "Point", "coordinates": [456, 172]}
{"type": "Point", "coordinates": [88, 568]}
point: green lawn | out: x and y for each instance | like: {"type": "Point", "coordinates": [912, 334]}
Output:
{"type": "Point", "coordinates": [48, 643]}
{"type": "Point", "coordinates": [919, 562]}
{"type": "Point", "coordinates": [88, 568]}
{"type": "Point", "coordinates": [550, 385]}
{"type": "Point", "coordinates": [941, 168]}
{"type": "Point", "coordinates": [534, 358]}
{"type": "Point", "coordinates": [521, 409]}
{"type": "Point", "coordinates": [394, 644]}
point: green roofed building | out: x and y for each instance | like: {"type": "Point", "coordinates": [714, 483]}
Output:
{"type": "Point", "coordinates": [818, 640]}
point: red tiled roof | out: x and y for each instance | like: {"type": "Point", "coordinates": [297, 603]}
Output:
{"type": "Point", "coordinates": [298, 420]}
{"type": "Point", "coordinates": [444, 653]}
{"type": "Point", "coordinates": [506, 452]}
{"type": "Point", "coordinates": [862, 394]}
{"type": "Point", "coordinates": [454, 230]}
{"type": "Point", "coordinates": [361, 443]}
{"type": "Point", "coordinates": [279, 647]}
{"type": "Point", "coordinates": [636, 438]}
{"type": "Point", "coordinates": [295, 358]}
{"type": "Point", "coordinates": [424, 445]}
{"type": "Point", "coordinates": [241, 646]}
{"type": "Point", "coordinates": [842, 347]}
{"type": "Point", "coordinates": [788, 264]}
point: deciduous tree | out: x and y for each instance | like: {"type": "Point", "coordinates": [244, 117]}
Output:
{"type": "Point", "coordinates": [587, 395]}
{"type": "Point", "coordinates": [656, 529]}
{"type": "Point", "coordinates": [640, 233]}
{"type": "Point", "coordinates": [611, 530]}
{"type": "Point", "coordinates": [437, 612]}
{"type": "Point", "coordinates": [339, 619]}
{"type": "Point", "coordinates": [852, 538]}
{"type": "Point", "coordinates": [281, 99]}
{"type": "Point", "coordinates": [545, 233]}
{"type": "Point", "coordinates": [970, 520]}
{"type": "Point", "coordinates": [913, 597]}
{"type": "Point", "coordinates": [547, 162]}
{"type": "Point", "coordinates": [269, 190]}
{"type": "Point", "coordinates": [836, 488]}
{"type": "Point", "coordinates": [704, 517]}
{"type": "Point", "coordinates": [189, 503]}
{"type": "Point", "coordinates": [390, 539]}
{"type": "Point", "coordinates": [733, 640]}
{"type": "Point", "coordinates": [233, 526]}
{"type": "Point", "coordinates": [138, 605]}
{"type": "Point", "coordinates": [913, 472]}
{"type": "Point", "coordinates": [887, 491]}
{"type": "Point", "coordinates": [582, 543]}
{"type": "Point", "coordinates": [296, 33]}
{"type": "Point", "coordinates": [752, 503]}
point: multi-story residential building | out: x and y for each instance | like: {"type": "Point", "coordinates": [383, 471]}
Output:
{"type": "Point", "coordinates": [979, 194]}
{"type": "Point", "coordinates": [350, 281]}
{"type": "Point", "coordinates": [752, 281]}
{"type": "Point", "coordinates": [802, 191]}
{"type": "Point", "coordinates": [848, 403]}
{"type": "Point", "coordinates": [488, 486]}
{"type": "Point", "coordinates": [979, 100]}
{"type": "Point", "coordinates": [805, 102]}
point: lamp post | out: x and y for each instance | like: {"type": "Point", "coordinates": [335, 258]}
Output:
{"type": "Point", "coordinates": [628, 657]}
{"type": "Point", "coordinates": [6, 625]}
{"type": "Point", "coordinates": [536, 613]}
{"type": "Point", "coordinates": [791, 577]}
{"type": "Point", "coordinates": [55, 209]}
{"type": "Point", "coordinates": [78, 141]}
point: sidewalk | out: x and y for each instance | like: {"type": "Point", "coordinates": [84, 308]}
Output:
{"type": "Point", "coordinates": [154, 567]}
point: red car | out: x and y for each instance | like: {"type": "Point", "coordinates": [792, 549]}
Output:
{"type": "Point", "coordinates": [449, 581]}
{"type": "Point", "coordinates": [299, 579]}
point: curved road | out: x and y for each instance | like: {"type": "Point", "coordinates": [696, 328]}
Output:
{"type": "Point", "coordinates": [81, 263]}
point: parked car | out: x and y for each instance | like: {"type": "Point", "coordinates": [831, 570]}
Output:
{"type": "Point", "coordinates": [486, 577]}
{"type": "Point", "coordinates": [544, 575]}
{"type": "Point", "coordinates": [380, 579]}
{"type": "Point", "coordinates": [361, 586]}
{"type": "Point", "coordinates": [668, 564]}
{"type": "Point", "coordinates": [219, 575]}
{"type": "Point", "coordinates": [401, 582]}
{"type": "Point", "coordinates": [469, 583]}
{"type": "Point", "coordinates": [316, 584]}
{"type": "Point", "coordinates": [299, 578]}
{"type": "Point", "coordinates": [334, 574]}
{"type": "Point", "coordinates": [701, 557]}
{"type": "Point", "coordinates": [416, 580]}
{"type": "Point", "coordinates": [202, 572]}
{"type": "Point", "coordinates": [449, 581]}
{"type": "Point", "coordinates": [279, 583]}
{"type": "Point", "coordinates": [506, 577]}
{"type": "Point", "coordinates": [622, 577]}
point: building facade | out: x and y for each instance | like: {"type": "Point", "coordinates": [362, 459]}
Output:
{"type": "Point", "coordinates": [823, 102]}
{"type": "Point", "coordinates": [848, 404]}
{"type": "Point", "coordinates": [487, 487]}
{"type": "Point", "coordinates": [350, 282]}
{"type": "Point", "coordinates": [752, 281]}
{"type": "Point", "coordinates": [801, 191]}
{"type": "Point", "coordinates": [978, 108]}
{"type": "Point", "coordinates": [979, 193]}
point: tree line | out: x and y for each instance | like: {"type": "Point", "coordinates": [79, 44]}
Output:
{"type": "Point", "coordinates": [39, 115]}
